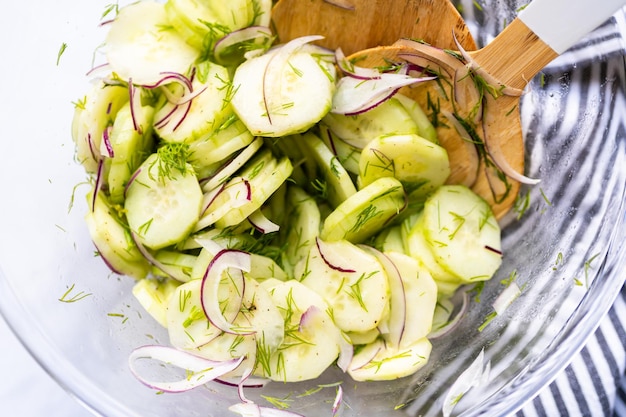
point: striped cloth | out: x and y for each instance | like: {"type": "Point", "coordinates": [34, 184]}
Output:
{"type": "Point", "coordinates": [594, 384]}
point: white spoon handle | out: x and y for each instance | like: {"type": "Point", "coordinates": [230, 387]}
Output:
{"type": "Point", "coordinates": [562, 23]}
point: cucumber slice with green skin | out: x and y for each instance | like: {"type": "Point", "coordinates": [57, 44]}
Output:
{"type": "Point", "coordinates": [388, 118]}
{"type": "Point", "coordinates": [113, 240]}
{"type": "Point", "coordinates": [420, 249]}
{"type": "Point", "coordinates": [377, 362]}
{"type": "Point", "coordinates": [220, 145]}
{"type": "Point", "coordinates": [339, 185]}
{"type": "Point", "coordinates": [366, 212]}
{"type": "Point", "coordinates": [420, 293]}
{"type": "Point", "coordinates": [229, 168]}
{"type": "Point", "coordinates": [301, 99]}
{"type": "Point", "coordinates": [419, 164]}
{"type": "Point", "coordinates": [208, 110]}
{"type": "Point", "coordinates": [348, 155]}
{"type": "Point", "coordinates": [424, 127]}
{"type": "Point", "coordinates": [312, 340]}
{"type": "Point", "coordinates": [463, 233]}
{"type": "Point", "coordinates": [303, 227]}
{"type": "Point", "coordinates": [187, 325]}
{"type": "Point", "coordinates": [162, 208]}
{"type": "Point", "coordinates": [390, 240]}
{"type": "Point", "coordinates": [141, 45]}
{"type": "Point", "coordinates": [350, 280]}
{"type": "Point", "coordinates": [91, 117]}
{"type": "Point", "coordinates": [264, 181]}
{"type": "Point", "coordinates": [258, 313]}
{"type": "Point", "coordinates": [264, 268]}
{"type": "Point", "coordinates": [130, 147]}
{"type": "Point", "coordinates": [187, 17]}
{"type": "Point", "coordinates": [179, 265]}
{"type": "Point", "coordinates": [154, 296]}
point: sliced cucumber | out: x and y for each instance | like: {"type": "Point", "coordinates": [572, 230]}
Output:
{"type": "Point", "coordinates": [347, 154]}
{"type": "Point", "coordinates": [419, 164]}
{"type": "Point", "coordinates": [178, 265]}
{"type": "Point", "coordinates": [301, 98]}
{"type": "Point", "coordinates": [190, 18]}
{"type": "Point", "coordinates": [420, 293]}
{"type": "Point", "coordinates": [377, 362]}
{"type": "Point", "coordinates": [388, 118]}
{"type": "Point", "coordinates": [113, 240]}
{"type": "Point", "coordinates": [187, 325]}
{"type": "Point", "coordinates": [338, 182]}
{"type": "Point", "coordinates": [264, 181]}
{"type": "Point", "coordinates": [463, 233]}
{"type": "Point", "coordinates": [162, 208]}
{"type": "Point", "coordinates": [303, 227]}
{"type": "Point", "coordinates": [220, 145]}
{"type": "Point", "coordinates": [312, 340]}
{"type": "Point", "coordinates": [365, 212]}
{"type": "Point", "coordinates": [229, 168]}
{"type": "Point", "coordinates": [390, 240]}
{"type": "Point", "coordinates": [154, 296]}
{"type": "Point", "coordinates": [130, 147]}
{"type": "Point", "coordinates": [350, 280]}
{"type": "Point", "coordinates": [264, 268]}
{"type": "Point", "coordinates": [91, 117]}
{"type": "Point", "coordinates": [424, 127]}
{"type": "Point", "coordinates": [420, 249]}
{"type": "Point", "coordinates": [141, 45]}
{"type": "Point", "coordinates": [208, 111]}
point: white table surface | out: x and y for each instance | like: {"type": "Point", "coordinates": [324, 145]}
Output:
{"type": "Point", "coordinates": [26, 390]}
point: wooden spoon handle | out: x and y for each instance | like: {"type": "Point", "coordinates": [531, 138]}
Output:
{"type": "Point", "coordinates": [541, 32]}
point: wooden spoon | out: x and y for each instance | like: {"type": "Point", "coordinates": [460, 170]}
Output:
{"type": "Point", "coordinates": [370, 30]}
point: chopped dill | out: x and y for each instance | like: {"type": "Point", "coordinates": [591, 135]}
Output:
{"type": "Point", "coordinates": [67, 297]}
{"type": "Point", "coordinates": [545, 197]}
{"type": "Point", "coordinates": [488, 320]}
{"type": "Point", "coordinates": [61, 50]}
{"type": "Point", "coordinates": [110, 8]}
{"type": "Point", "coordinates": [280, 403]}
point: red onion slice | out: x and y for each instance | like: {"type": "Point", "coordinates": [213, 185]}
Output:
{"type": "Point", "coordinates": [170, 272]}
{"type": "Point", "coordinates": [355, 95]}
{"type": "Point", "coordinates": [338, 401]}
{"type": "Point", "coordinates": [262, 223]}
{"type": "Point", "coordinates": [487, 77]}
{"type": "Point", "coordinates": [260, 36]}
{"type": "Point", "coordinates": [492, 146]}
{"type": "Point", "coordinates": [98, 185]}
{"type": "Point", "coordinates": [106, 148]}
{"type": "Point", "coordinates": [346, 353]}
{"type": "Point", "coordinates": [473, 376]}
{"type": "Point", "coordinates": [453, 323]}
{"type": "Point", "coordinates": [201, 370]}
{"type": "Point", "coordinates": [343, 4]}
{"type": "Point", "coordinates": [367, 354]}
{"type": "Point", "coordinates": [352, 70]}
{"type": "Point", "coordinates": [327, 255]}
{"type": "Point", "coordinates": [234, 262]}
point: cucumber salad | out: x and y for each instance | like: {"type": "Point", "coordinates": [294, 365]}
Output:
{"type": "Point", "coordinates": [282, 210]}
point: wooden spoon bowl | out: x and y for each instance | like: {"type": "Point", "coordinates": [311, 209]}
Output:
{"type": "Point", "coordinates": [474, 103]}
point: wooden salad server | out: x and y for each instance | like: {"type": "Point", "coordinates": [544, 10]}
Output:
{"type": "Point", "coordinates": [474, 103]}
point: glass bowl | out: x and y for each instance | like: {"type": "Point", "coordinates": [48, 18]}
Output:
{"type": "Point", "coordinates": [564, 244]}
